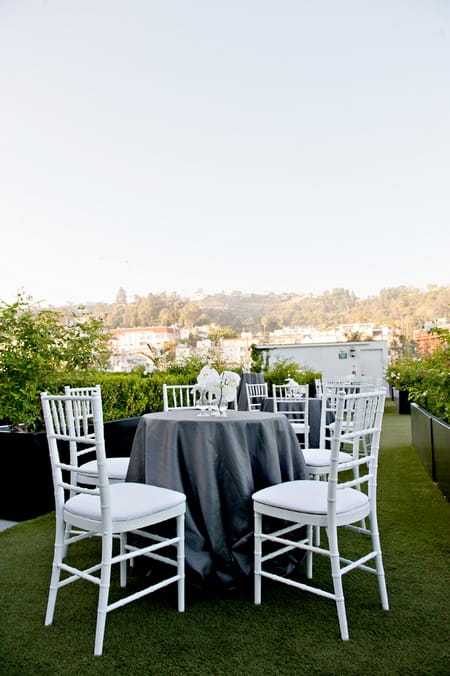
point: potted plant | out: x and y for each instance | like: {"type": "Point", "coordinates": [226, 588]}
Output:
{"type": "Point", "coordinates": [427, 380]}
{"type": "Point", "coordinates": [284, 369]}
{"type": "Point", "coordinates": [39, 348]}
{"type": "Point", "coordinates": [399, 376]}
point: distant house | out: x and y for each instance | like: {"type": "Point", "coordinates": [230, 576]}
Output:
{"type": "Point", "coordinates": [129, 346]}
{"type": "Point", "coordinates": [428, 342]}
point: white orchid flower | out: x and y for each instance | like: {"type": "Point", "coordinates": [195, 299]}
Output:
{"type": "Point", "coordinates": [207, 378]}
{"type": "Point", "coordinates": [231, 378]}
{"type": "Point", "coordinates": [229, 382]}
{"type": "Point", "coordinates": [221, 387]}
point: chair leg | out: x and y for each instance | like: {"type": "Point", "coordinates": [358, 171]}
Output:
{"type": "Point", "coordinates": [320, 477]}
{"type": "Point", "coordinates": [56, 571]}
{"type": "Point", "coordinates": [306, 440]}
{"type": "Point", "coordinates": [309, 554]}
{"type": "Point", "coordinates": [362, 523]}
{"type": "Point", "coordinates": [66, 536]}
{"type": "Point", "coordinates": [316, 529]}
{"type": "Point", "coordinates": [376, 546]}
{"type": "Point", "coordinates": [337, 582]}
{"type": "Point", "coordinates": [105, 580]}
{"type": "Point", "coordinates": [317, 536]}
{"type": "Point", "coordinates": [123, 564]}
{"type": "Point", "coordinates": [180, 562]}
{"type": "Point", "coordinates": [257, 562]}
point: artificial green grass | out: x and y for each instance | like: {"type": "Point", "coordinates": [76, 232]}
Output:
{"type": "Point", "coordinates": [290, 633]}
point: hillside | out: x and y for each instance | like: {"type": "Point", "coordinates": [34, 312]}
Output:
{"type": "Point", "coordinates": [404, 307]}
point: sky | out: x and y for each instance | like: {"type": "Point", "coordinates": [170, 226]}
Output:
{"type": "Point", "coordinates": [224, 145]}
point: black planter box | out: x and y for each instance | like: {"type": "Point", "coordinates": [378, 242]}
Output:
{"type": "Point", "coordinates": [431, 440]}
{"type": "Point", "coordinates": [403, 403]}
{"type": "Point", "coordinates": [26, 485]}
{"type": "Point", "coordinates": [441, 450]}
{"type": "Point", "coordinates": [422, 437]}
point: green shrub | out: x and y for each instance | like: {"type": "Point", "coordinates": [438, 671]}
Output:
{"type": "Point", "coordinates": [187, 369]}
{"type": "Point", "coordinates": [426, 378]}
{"type": "Point", "coordinates": [282, 369]}
{"type": "Point", "coordinates": [41, 351]}
{"type": "Point", "coordinates": [36, 347]}
{"type": "Point", "coordinates": [124, 395]}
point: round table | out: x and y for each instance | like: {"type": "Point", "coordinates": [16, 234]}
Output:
{"type": "Point", "coordinates": [218, 463]}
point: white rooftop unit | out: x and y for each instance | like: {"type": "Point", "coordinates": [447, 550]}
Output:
{"type": "Point", "coordinates": [360, 359]}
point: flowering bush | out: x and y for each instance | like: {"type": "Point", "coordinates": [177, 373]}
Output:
{"type": "Point", "coordinates": [426, 378]}
{"type": "Point", "coordinates": [402, 373]}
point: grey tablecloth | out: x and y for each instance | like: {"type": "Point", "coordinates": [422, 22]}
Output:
{"type": "Point", "coordinates": [218, 462]}
{"type": "Point", "coordinates": [314, 410]}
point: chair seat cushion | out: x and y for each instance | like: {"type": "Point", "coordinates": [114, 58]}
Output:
{"type": "Point", "coordinates": [299, 426]}
{"type": "Point", "coordinates": [128, 501]}
{"type": "Point", "coordinates": [117, 468]}
{"type": "Point", "coordinates": [309, 496]}
{"type": "Point", "coordinates": [321, 457]}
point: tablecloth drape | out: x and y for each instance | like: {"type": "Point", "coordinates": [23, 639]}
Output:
{"type": "Point", "coordinates": [218, 463]}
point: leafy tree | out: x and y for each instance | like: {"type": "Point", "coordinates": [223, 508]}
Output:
{"type": "Point", "coordinates": [37, 346]}
{"type": "Point", "coordinates": [401, 347]}
{"type": "Point", "coordinates": [190, 314]}
{"type": "Point", "coordinates": [356, 337]}
{"type": "Point", "coordinates": [121, 296]}
{"type": "Point", "coordinates": [260, 359]}
{"type": "Point", "coordinates": [403, 307]}
{"type": "Point", "coordinates": [216, 334]}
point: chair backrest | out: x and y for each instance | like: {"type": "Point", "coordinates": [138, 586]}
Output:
{"type": "Point", "coordinates": [77, 421]}
{"type": "Point", "coordinates": [369, 384]}
{"type": "Point", "coordinates": [341, 385]}
{"type": "Point", "coordinates": [85, 414]}
{"type": "Point", "coordinates": [179, 396]}
{"type": "Point", "coordinates": [290, 391]}
{"type": "Point", "coordinates": [81, 391]}
{"type": "Point", "coordinates": [330, 393]}
{"type": "Point", "coordinates": [292, 400]}
{"type": "Point", "coordinates": [366, 412]}
{"type": "Point", "coordinates": [334, 380]}
{"type": "Point", "coordinates": [327, 416]}
{"type": "Point", "coordinates": [256, 392]}
{"type": "Point", "coordinates": [353, 386]}
{"type": "Point", "coordinates": [318, 386]}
